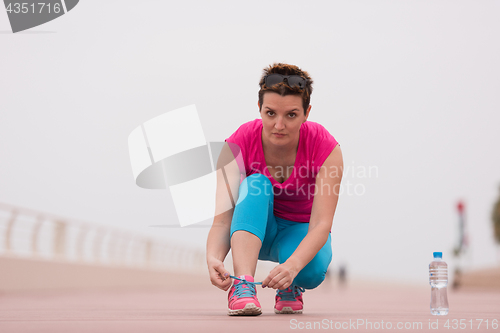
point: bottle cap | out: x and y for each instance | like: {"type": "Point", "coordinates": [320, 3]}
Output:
{"type": "Point", "coordinates": [437, 254]}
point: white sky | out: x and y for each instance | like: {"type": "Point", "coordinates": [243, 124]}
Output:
{"type": "Point", "coordinates": [409, 87]}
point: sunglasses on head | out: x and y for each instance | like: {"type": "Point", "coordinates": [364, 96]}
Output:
{"type": "Point", "coordinates": [292, 80]}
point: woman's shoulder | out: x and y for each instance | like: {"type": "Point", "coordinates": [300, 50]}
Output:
{"type": "Point", "coordinates": [251, 125]}
{"type": "Point", "coordinates": [320, 143]}
{"type": "Point", "coordinates": [246, 131]}
{"type": "Point", "coordinates": [316, 131]}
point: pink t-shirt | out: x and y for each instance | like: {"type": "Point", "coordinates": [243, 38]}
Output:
{"type": "Point", "coordinates": [294, 198]}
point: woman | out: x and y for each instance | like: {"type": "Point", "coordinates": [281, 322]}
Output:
{"type": "Point", "coordinates": [284, 174]}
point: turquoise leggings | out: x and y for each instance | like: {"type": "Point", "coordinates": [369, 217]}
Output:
{"type": "Point", "coordinates": [280, 238]}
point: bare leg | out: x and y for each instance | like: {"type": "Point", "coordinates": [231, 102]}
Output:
{"type": "Point", "coordinates": [245, 247]}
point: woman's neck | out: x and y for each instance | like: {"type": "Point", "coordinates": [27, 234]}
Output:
{"type": "Point", "coordinates": [279, 152]}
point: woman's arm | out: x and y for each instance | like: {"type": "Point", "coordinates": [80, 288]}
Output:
{"type": "Point", "coordinates": [218, 245]}
{"type": "Point", "coordinates": [218, 241]}
{"type": "Point", "coordinates": [323, 209]}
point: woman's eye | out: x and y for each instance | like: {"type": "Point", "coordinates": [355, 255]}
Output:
{"type": "Point", "coordinates": [292, 115]}
{"type": "Point", "coordinates": [270, 113]}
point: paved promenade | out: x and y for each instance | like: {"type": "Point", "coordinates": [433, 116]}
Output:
{"type": "Point", "coordinates": [202, 308]}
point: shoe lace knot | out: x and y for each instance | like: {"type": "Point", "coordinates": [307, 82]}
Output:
{"type": "Point", "coordinates": [244, 288]}
{"type": "Point", "coordinates": [291, 293]}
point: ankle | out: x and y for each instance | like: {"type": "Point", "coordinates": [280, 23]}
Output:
{"type": "Point", "coordinates": [238, 274]}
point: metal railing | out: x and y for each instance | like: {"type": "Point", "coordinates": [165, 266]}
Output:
{"type": "Point", "coordinates": [32, 234]}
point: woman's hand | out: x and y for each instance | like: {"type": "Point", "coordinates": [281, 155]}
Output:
{"type": "Point", "coordinates": [281, 276]}
{"type": "Point", "coordinates": [218, 274]}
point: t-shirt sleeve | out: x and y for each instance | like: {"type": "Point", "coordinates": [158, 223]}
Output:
{"type": "Point", "coordinates": [237, 145]}
{"type": "Point", "coordinates": [323, 146]}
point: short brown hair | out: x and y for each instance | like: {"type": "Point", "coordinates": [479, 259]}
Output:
{"type": "Point", "coordinates": [283, 88]}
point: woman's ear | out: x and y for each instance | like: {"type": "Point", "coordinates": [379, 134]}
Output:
{"type": "Point", "coordinates": [307, 112]}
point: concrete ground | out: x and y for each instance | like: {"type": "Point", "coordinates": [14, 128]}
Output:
{"type": "Point", "coordinates": [196, 306]}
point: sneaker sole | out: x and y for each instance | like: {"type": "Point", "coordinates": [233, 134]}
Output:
{"type": "Point", "coordinates": [287, 310]}
{"type": "Point", "coordinates": [249, 310]}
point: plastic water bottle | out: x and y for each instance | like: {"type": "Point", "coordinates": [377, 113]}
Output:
{"type": "Point", "coordinates": [438, 278]}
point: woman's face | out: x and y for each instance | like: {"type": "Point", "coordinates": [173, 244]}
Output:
{"type": "Point", "coordinates": [281, 119]}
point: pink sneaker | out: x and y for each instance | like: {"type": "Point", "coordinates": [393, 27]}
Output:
{"type": "Point", "coordinates": [242, 298]}
{"type": "Point", "coordinates": [289, 300]}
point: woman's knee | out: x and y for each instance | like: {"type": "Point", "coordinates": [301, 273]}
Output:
{"type": "Point", "coordinates": [311, 277]}
{"type": "Point", "coordinates": [254, 189]}
{"type": "Point", "coordinates": [258, 184]}
{"type": "Point", "coordinates": [252, 209]}
{"type": "Point", "coordinates": [313, 274]}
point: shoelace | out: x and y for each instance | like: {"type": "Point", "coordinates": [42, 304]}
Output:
{"type": "Point", "coordinates": [239, 291]}
{"type": "Point", "coordinates": [291, 293]}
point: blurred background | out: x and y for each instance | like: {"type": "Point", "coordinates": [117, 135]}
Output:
{"type": "Point", "coordinates": [409, 90]}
